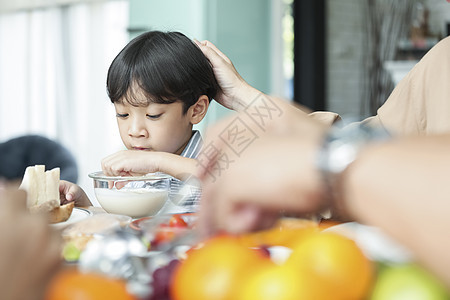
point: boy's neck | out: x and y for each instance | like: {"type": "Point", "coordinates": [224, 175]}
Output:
{"type": "Point", "coordinates": [181, 149]}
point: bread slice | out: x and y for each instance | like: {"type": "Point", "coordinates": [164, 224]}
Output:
{"type": "Point", "coordinates": [61, 213]}
{"type": "Point", "coordinates": [42, 189]}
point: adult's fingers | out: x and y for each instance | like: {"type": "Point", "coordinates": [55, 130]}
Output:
{"type": "Point", "coordinates": [213, 54]}
{"type": "Point", "coordinates": [208, 45]}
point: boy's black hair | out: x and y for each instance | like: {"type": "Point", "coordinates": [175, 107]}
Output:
{"type": "Point", "coordinates": [160, 67]}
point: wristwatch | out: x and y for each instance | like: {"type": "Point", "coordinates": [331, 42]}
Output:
{"type": "Point", "coordinates": [340, 148]}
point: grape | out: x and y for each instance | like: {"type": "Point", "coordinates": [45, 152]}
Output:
{"type": "Point", "coordinates": [71, 252]}
{"type": "Point", "coordinates": [161, 281]}
{"type": "Point", "coordinates": [263, 250]}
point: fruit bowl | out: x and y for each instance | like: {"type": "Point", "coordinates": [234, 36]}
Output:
{"type": "Point", "coordinates": [131, 196]}
{"type": "Point", "coordinates": [163, 229]}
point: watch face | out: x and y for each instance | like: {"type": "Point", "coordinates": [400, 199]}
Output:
{"type": "Point", "coordinates": [341, 156]}
{"type": "Point", "coordinates": [342, 146]}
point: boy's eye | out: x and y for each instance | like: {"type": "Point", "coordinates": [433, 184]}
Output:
{"type": "Point", "coordinates": [154, 116]}
{"type": "Point", "coordinates": [121, 115]}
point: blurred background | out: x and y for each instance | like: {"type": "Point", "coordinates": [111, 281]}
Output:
{"type": "Point", "coordinates": [340, 55]}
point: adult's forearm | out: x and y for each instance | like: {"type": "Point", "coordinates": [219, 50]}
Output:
{"type": "Point", "coordinates": [403, 187]}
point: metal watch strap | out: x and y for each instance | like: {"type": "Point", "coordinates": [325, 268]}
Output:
{"type": "Point", "coordinates": [340, 148]}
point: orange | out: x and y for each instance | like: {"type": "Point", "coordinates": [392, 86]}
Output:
{"type": "Point", "coordinates": [295, 223]}
{"type": "Point", "coordinates": [70, 284]}
{"type": "Point", "coordinates": [337, 266]}
{"type": "Point", "coordinates": [274, 282]}
{"type": "Point", "coordinates": [325, 224]}
{"type": "Point", "coordinates": [215, 270]}
{"type": "Point", "coordinates": [285, 233]}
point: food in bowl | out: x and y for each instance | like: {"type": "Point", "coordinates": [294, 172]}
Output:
{"type": "Point", "coordinates": [162, 229]}
{"type": "Point", "coordinates": [78, 235]}
{"type": "Point", "coordinates": [172, 220]}
{"type": "Point", "coordinates": [132, 196]}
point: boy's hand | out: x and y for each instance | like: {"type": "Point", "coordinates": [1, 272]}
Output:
{"type": "Point", "coordinates": [69, 192]}
{"type": "Point", "coordinates": [131, 163]}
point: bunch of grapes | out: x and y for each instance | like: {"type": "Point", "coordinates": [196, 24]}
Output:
{"type": "Point", "coordinates": [161, 281]}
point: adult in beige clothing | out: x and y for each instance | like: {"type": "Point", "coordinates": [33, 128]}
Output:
{"type": "Point", "coordinates": [420, 104]}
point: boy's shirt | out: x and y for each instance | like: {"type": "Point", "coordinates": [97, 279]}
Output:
{"type": "Point", "coordinates": [194, 146]}
{"type": "Point", "coordinates": [191, 204]}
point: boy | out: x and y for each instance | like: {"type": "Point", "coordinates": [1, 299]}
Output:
{"type": "Point", "coordinates": [161, 84]}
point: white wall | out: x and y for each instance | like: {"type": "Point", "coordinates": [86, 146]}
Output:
{"type": "Point", "coordinates": [53, 78]}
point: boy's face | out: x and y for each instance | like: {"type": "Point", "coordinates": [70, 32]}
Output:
{"type": "Point", "coordinates": [156, 127]}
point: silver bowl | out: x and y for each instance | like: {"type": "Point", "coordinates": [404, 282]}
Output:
{"type": "Point", "coordinates": [132, 196]}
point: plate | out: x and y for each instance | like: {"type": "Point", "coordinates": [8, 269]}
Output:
{"type": "Point", "coordinates": [374, 242]}
{"type": "Point", "coordinates": [78, 214]}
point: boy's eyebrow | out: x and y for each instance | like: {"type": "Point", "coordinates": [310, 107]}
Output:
{"type": "Point", "coordinates": [133, 101]}
{"type": "Point", "coordinates": [121, 103]}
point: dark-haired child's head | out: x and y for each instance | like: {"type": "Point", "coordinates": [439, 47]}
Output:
{"type": "Point", "coordinates": [160, 84]}
{"type": "Point", "coordinates": [165, 67]}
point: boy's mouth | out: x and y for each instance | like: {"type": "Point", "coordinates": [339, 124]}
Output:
{"type": "Point", "coordinates": [141, 148]}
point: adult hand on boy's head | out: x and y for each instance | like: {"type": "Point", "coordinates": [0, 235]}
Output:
{"type": "Point", "coordinates": [30, 249]}
{"type": "Point", "coordinates": [235, 92]}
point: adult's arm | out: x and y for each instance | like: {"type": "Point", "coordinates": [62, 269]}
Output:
{"type": "Point", "coordinates": [418, 105]}
{"type": "Point", "coordinates": [401, 186]}
{"type": "Point", "coordinates": [404, 188]}
{"type": "Point", "coordinates": [30, 249]}
{"type": "Point", "coordinates": [236, 94]}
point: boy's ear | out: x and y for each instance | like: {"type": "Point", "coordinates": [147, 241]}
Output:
{"type": "Point", "coordinates": [198, 111]}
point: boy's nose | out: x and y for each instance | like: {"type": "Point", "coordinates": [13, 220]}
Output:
{"type": "Point", "coordinates": [137, 129]}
